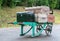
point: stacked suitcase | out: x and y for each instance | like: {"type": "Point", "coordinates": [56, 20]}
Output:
{"type": "Point", "coordinates": [42, 13]}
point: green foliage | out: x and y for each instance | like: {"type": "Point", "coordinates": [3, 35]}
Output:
{"type": "Point", "coordinates": [52, 3]}
{"type": "Point", "coordinates": [0, 3]}
{"type": "Point", "coordinates": [13, 3]}
{"type": "Point", "coordinates": [30, 3]}
{"type": "Point", "coordinates": [9, 3]}
{"type": "Point", "coordinates": [42, 2]}
{"type": "Point", "coordinates": [58, 4]}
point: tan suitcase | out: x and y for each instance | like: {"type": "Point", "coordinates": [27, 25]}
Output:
{"type": "Point", "coordinates": [51, 18]}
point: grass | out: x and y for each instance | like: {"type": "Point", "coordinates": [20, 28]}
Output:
{"type": "Point", "coordinates": [9, 15]}
{"type": "Point", "coordinates": [57, 16]}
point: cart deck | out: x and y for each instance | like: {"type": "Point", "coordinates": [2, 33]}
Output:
{"type": "Point", "coordinates": [32, 24]}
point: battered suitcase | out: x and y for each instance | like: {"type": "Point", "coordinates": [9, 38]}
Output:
{"type": "Point", "coordinates": [25, 17]}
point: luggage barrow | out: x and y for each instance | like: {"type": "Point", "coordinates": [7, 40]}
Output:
{"type": "Point", "coordinates": [39, 29]}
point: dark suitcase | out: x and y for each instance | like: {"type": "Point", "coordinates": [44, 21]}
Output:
{"type": "Point", "coordinates": [25, 17]}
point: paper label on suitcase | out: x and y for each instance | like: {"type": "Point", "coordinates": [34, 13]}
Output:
{"type": "Point", "coordinates": [42, 19]}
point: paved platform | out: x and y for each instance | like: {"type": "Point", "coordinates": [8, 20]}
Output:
{"type": "Point", "coordinates": [12, 34]}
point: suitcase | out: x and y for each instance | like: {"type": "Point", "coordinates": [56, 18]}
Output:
{"type": "Point", "coordinates": [25, 16]}
{"type": "Point", "coordinates": [51, 18]}
{"type": "Point", "coordinates": [41, 18]}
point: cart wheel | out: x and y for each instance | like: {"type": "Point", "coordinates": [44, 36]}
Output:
{"type": "Point", "coordinates": [38, 28]}
{"type": "Point", "coordinates": [48, 29]}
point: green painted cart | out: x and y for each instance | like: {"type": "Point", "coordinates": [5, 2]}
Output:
{"type": "Point", "coordinates": [28, 19]}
